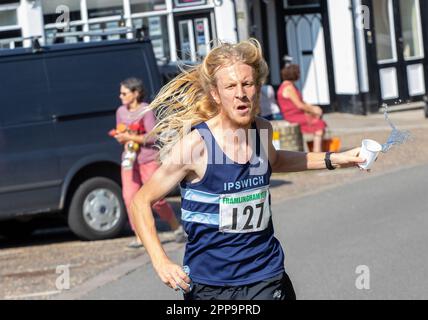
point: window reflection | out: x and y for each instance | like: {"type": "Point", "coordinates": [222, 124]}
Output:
{"type": "Point", "coordinates": [106, 16]}
{"type": "Point", "coordinates": [10, 39]}
{"type": "Point", "coordinates": [138, 6]}
{"type": "Point", "coordinates": [156, 28]}
{"type": "Point", "coordinates": [384, 28]}
{"type": "Point", "coordinates": [8, 18]}
{"type": "Point", "coordinates": [105, 27]}
{"type": "Point", "coordinates": [104, 8]}
{"type": "Point", "coordinates": [51, 38]}
{"type": "Point", "coordinates": [411, 27]}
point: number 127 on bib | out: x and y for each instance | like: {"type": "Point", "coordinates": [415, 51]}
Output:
{"type": "Point", "coordinates": [245, 217]}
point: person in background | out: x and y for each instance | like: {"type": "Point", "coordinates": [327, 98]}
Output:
{"type": "Point", "coordinates": [268, 107]}
{"type": "Point", "coordinates": [134, 110]}
{"type": "Point", "coordinates": [295, 110]}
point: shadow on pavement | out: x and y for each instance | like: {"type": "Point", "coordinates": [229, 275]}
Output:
{"type": "Point", "coordinates": [57, 232]}
{"type": "Point", "coordinates": [278, 183]}
{"type": "Point", "coordinates": [39, 237]}
{"type": "Point", "coordinates": [42, 237]}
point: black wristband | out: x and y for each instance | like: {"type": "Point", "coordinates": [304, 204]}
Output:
{"type": "Point", "coordinates": [328, 161]}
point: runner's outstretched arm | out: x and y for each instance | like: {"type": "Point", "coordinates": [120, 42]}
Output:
{"type": "Point", "coordinates": [289, 161]}
{"type": "Point", "coordinates": [161, 183]}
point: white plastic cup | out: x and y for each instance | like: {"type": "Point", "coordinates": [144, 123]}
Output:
{"type": "Point", "coordinates": [370, 150]}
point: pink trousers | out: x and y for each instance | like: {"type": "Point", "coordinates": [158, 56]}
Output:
{"type": "Point", "coordinates": [132, 180]}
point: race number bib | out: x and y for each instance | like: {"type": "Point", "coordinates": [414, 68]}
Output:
{"type": "Point", "coordinates": [245, 212]}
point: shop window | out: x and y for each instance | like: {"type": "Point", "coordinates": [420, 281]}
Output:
{"type": "Point", "coordinates": [10, 44]}
{"type": "Point", "coordinates": [10, 39]}
{"type": "Point", "coordinates": [383, 12]}
{"type": "Point", "coordinates": [8, 18]}
{"type": "Point", "coordinates": [412, 29]}
{"type": "Point", "coordinates": [104, 8]}
{"type": "Point", "coordinates": [138, 6]}
{"type": "Point", "coordinates": [188, 3]}
{"type": "Point", "coordinates": [51, 38]}
{"type": "Point", "coordinates": [55, 11]}
{"type": "Point", "coordinates": [105, 27]}
{"type": "Point", "coordinates": [156, 28]}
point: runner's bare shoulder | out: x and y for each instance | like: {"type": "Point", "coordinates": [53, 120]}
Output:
{"type": "Point", "coordinates": [189, 151]}
{"type": "Point", "coordinates": [194, 155]}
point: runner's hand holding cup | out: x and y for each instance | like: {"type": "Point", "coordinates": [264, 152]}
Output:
{"type": "Point", "coordinates": [370, 150]}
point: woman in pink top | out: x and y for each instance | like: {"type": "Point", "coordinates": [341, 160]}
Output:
{"type": "Point", "coordinates": [295, 110]}
{"type": "Point", "coordinates": [133, 111]}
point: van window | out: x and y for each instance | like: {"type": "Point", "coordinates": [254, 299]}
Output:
{"type": "Point", "coordinates": [23, 91]}
{"type": "Point", "coordinates": [86, 82]}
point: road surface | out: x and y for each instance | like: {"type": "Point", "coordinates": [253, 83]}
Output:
{"type": "Point", "coordinates": [377, 224]}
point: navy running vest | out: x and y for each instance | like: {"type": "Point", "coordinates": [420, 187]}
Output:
{"type": "Point", "coordinates": [230, 239]}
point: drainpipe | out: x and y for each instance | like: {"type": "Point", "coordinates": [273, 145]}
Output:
{"type": "Point", "coordinates": [357, 56]}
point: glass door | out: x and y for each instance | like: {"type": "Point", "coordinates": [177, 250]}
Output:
{"type": "Point", "coordinates": [186, 48]}
{"type": "Point", "coordinates": [399, 49]}
{"type": "Point", "coordinates": [386, 50]}
{"type": "Point", "coordinates": [306, 47]}
{"type": "Point", "coordinates": [202, 36]}
{"type": "Point", "coordinates": [413, 46]}
{"type": "Point", "coordinates": [194, 36]}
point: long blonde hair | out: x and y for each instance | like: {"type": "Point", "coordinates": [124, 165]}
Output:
{"type": "Point", "coordinates": [187, 98]}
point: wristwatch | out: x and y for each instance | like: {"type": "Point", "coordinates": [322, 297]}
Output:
{"type": "Point", "coordinates": [328, 161]}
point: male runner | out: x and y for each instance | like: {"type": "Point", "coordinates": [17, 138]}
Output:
{"type": "Point", "coordinates": [223, 166]}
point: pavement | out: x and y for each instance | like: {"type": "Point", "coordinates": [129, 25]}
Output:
{"type": "Point", "coordinates": [342, 123]}
{"type": "Point", "coordinates": [28, 270]}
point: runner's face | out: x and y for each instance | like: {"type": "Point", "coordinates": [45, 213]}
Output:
{"type": "Point", "coordinates": [236, 93]}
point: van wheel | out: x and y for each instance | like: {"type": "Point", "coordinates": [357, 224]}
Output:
{"type": "Point", "coordinates": [97, 210]}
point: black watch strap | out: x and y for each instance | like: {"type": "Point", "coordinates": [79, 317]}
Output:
{"type": "Point", "coordinates": [328, 161]}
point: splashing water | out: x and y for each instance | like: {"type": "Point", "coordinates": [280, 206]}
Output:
{"type": "Point", "coordinates": [396, 137]}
